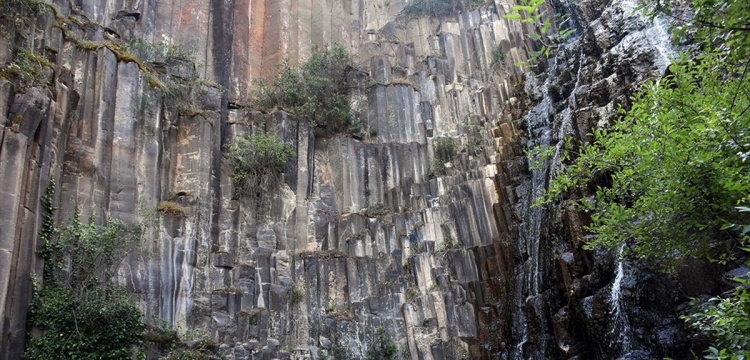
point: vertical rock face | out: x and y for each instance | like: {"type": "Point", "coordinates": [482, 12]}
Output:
{"type": "Point", "coordinates": [359, 228]}
{"type": "Point", "coordinates": [361, 234]}
{"type": "Point", "coordinates": [566, 302]}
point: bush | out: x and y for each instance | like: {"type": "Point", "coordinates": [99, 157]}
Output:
{"type": "Point", "coordinates": [258, 160]}
{"type": "Point", "coordinates": [317, 89]}
{"type": "Point", "coordinates": [296, 294]}
{"type": "Point", "coordinates": [150, 51]}
{"type": "Point", "coordinates": [96, 323]}
{"type": "Point", "coordinates": [439, 8]}
{"type": "Point", "coordinates": [22, 12]}
{"type": "Point", "coordinates": [676, 165]}
{"type": "Point", "coordinates": [446, 149]}
{"type": "Point", "coordinates": [727, 322]}
{"type": "Point", "coordinates": [83, 313]}
{"type": "Point", "coordinates": [498, 57]}
{"type": "Point", "coordinates": [434, 8]}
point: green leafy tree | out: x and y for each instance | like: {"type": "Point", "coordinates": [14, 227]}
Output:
{"type": "Point", "coordinates": [727, 322]}
{"type": "Point", "coordinates": [674, 166]}
{"type": "Point", "coordinates": [551, 32]}
{"type": "Point", "coordinates": [383, 348]}
{"type": "Point", "coordinates": [715, 24]}
{"type": "Point", "coordinates": [318, 89]}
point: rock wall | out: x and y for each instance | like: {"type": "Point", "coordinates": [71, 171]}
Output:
{"type": "Point", "coordinates": [360, 235]}
{"type": "Point", "coordinates": [359, 226]}
{"type": "Point", "coordinates": [566, 302]}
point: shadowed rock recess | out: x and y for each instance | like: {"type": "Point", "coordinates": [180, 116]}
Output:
{"type": "Point", "coordinates": [451, 265]}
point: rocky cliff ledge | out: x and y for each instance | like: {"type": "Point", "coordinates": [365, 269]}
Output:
{"type": "Point", "coordinates": [361, 235]}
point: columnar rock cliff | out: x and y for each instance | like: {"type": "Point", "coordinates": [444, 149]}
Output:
{"type": "Point", "coordinates": [450, 266]}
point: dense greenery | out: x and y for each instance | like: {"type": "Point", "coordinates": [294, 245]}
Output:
{"type": "Point", "coordinates": [258, 160]}
{"type": "Point", "coordinates": [727, 322]}
{"type": "Point", "coordinates": [98, 323]}
{"type": "Point", "coordinates": [446, 148]}
{"type": "Point", "coordinates": [498, 57]}
{"type": "Point", "coordinates": [676, 164]}
{"type": "Point", "coordinates": [19, 12]}
{"type": "Point", "coordinates": [28, 69]}
{"type": "Point", "coordinates": [82, 312]}
{"type": "Point", "coordinates": [318, 89]}
{"type": "Point", "coordinates": [551, 33]}
{"type": "Point", "coordinates": [717, 24]}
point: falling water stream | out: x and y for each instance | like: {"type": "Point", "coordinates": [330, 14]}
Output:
{"type": "Point", "coordinates": [622, 326]}
{"type": "Point", "coordinates": [528, 298]}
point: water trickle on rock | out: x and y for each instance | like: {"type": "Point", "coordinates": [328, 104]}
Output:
{"type": "Point", "coordinates": [621, 326]}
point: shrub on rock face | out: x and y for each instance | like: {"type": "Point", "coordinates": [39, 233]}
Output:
{"type": "Point", "coordinates": [82, 312]}
{"type": "Point", "coordinates": [445, 149]}
{"type": "Point", "coordinates": [90, 324]}
{"type": "Point", "coordinates": [317, 89]}
{"type": "Point", "coordinates": [258, 160]}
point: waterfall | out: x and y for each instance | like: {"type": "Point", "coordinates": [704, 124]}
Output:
{"type": "Point", "coordinates": [529, 274]}
{"type": "Point", "coordinates": [621, 324]}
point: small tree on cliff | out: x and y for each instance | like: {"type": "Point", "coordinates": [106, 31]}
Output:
{"type": "Point", "coordinates": [258, 161]}
{"type": "Point", "coordinates": [318, 89]}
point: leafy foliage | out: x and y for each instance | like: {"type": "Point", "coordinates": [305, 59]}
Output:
{"type": "Point", "coordinates": [85, 324]}
{"type": "Point", "coordinates": [258, 161]}
{"type": "Point", "coordinates": [434, 8]}
{"type": "Point", "coordinates": [550, 35]}
{"type": "Point", "coordinates": [669, 178]}
{"type": "Point", "coordinates": [296, 294]}
{"type": "Point", "coordinates": [446, 148]}
{"type": "Point", "coordinates": [21, 11]}
{"type": "Point", "coordinates": [440, 8]}
{"type": "Point", "coordinates": [318, 89]}
{"type": "Point", "coordinates": [498, 57]}
{"type": "Point", "coordinates": [727, 321]}
{"type": "Point", "coordinates": [83, 313]}
{"type": "Point", "coordinates": [28, 69]}
{"type": "Point", "coordinates": [383, 348]}
{"type": "Point", "coordinates": [150, 51]}
{"type": "Point", "coordinates": [676, 164]}
{"type": "Point", "coordinates": [716, 24]}
{"type": "Point", "coordinates": [50, 248]}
